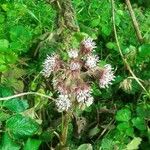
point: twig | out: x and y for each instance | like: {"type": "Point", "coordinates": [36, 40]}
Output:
{"type": "Point", "coordinates": [26, 93]}
{"type": "Point", "coordinates": [134, 21]}
{"type": "Point", "coordinates": [103, 132]}
{"type": "Point", "coordinates": [120, 51]}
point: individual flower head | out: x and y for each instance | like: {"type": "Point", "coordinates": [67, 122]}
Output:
{"type": "Point", "coordinates": [75, 66]}
{"type": "Point", "coordinates": [63, 103]}
{"type": "Point", "coordinates": [106, 76]}
{"type": "Point", "coordinates": [83, 95]}
{"type": "Point", "coordinates": [87, 45]}
{"type": "Point", "coordinates": [50, 64]}
{"type": "Point", "coordinates": [73, 53]}
{"type": "Point", "coordinates": [91, 61]}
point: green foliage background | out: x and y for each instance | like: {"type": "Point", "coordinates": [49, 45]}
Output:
{"type": "Point", "coordinates": [120, 116]}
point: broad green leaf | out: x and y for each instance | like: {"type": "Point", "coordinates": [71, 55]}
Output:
{"type": "Point", "coordinates": [5, 91]}
{"type": "Point", "coordinates": [3, 116]}
{"type": "Point", "coordinates": [144, 50]}
{"type": "Point", "coordinates": [85, 147]}
{"type": "Point", "coordinates": [19, 32]}
{"type": "Point", "coordinates": [32, 143]}
{"type": "Point", "coordinates": [107, 144]}
{"type": "Point", "coordinates": [21, 126]}
{"type": "Point", "coordinates": [126, 128]}
{"type": "Point", "coordinates": [2, 18]}
{"type": "Point", "coordinates": [123, 115]}
{"type": "Point", "coordinates": [4, 44]}
{"type": "Point", "coordinates": [3, 68]}
{"type": "Point", "coordinates": [134, 144]}
{"type": "Point", "coordinates": [8, 143]}
{"type": "Point", "coordinates": [139, 123]}
{"type": "Point", "coordinates": [143, 110]}
{"type": "Point", "coordinates": [16, 105]}
{"type": "Point", "coordinates": [110, 45]}
{"type": "Point", "coordinates": [95, 22]}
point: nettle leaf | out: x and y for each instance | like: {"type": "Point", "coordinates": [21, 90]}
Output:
{"type": "Point", "coordinates": [16, 105]}
{"type": "Point", "coordinates": [85, 146]}
{"type": "Point", "coordinates": [134, 144]}
{"type": "Point", "coordinates": [126, 128]}
{"type": "Point", "coordinates": [4, 44]}
{"type": "Point", "coordinates": [32, 143]}
{"type": "Point", "coordinates": [107, 144]}
{"type": "Point", "coordinates": [5, 91]}
{"type": "Point", "coordinates": [123, 115]}
{"type": "Point", "coordinates": [143, 110]}
{"type": "Point", "coordinates": [20, 33]}
{"type": "Point", "coordinates": [139, 123]}
{"type": "Point", "coordinates": [3, 116]}
{"type": "Point", "coordinates": [3, 68]}
{"type": "Point", "coordinates": [21, 126]}
{"type": "Point", "coordinates": [8, 143]}
{"type": "Point", "coordinates": [144, 50]}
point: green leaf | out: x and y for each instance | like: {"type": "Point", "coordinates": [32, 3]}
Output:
{"type": "Point", "coordinates": [95, 22]}
{"type": "Point", "coordinates": [144, 50]}
{"type": "Point", "coordinates": [2, 18]}
{"type": "Point", "coordinates": [134, 144]}
{"type": "Point", "coordinates": [139, 123]}
{"type": "Point", "coordinates": [32, 143]}
{"type": "Point", "coordinates": [16, 105]}
{"type": "Point", "coordinates": [94, 131]}
{"type": "Point", "coordinates": [3, 116]}
{"type": "Point", "coordinates": [126, 128]}
{"type": "Point", "coordinates": [123, 115]}
{"type": "Point", "coordinates": [85, 147]}
{"type": "Point", "coordinates": [4, 44]}
{"type": "Point", "coordinates": [3, 68]}
{"type": "Point", "coordinates": [5, 91]}
{"type": "Point", "coordinates": [107, 144]}
{"type": "Point", "coordinates": [8, 143]}
{"type": "Point", "coordinates": [21, 126]}
{"type": "Point", "coordinates": [110, 45]}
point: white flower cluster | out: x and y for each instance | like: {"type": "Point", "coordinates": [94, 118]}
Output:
{"type": "Point", "coordinates": [89, 44]}
{"type": "Point", "coordinates": [84, 97]}
{"type": "Point", "coordinates": [73, 53]}
{"type": "Point", "coordinates": [63, 103]}
{"type": "Point", "coordinates": [91, 61]}
{"type": "Point", "coordinates": [49, 65]}
{"type": "Point", "coordinates": [74, 66]}
{"type": "Point", "coordinates": [107, 76]}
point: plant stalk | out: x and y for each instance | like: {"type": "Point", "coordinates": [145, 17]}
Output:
{"type": "Point", "coordinates": [134, 21]}
{"type": "Point", "coordinates": [65, 123]}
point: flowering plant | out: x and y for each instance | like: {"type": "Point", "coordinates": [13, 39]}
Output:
{"type": "Point", "coordinates": [71, 78]}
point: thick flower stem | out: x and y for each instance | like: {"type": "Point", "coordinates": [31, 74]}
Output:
{"type": "Point", "coordinates": [134, 21]}
{"type": "Point", "coordinates": [65, 123]}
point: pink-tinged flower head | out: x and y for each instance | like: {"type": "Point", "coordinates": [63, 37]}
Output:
{"type": "Point", "coordinates": [83, 95]}
{"type": "Point", "coordinates": [87, 45]}
{"type": "Point", "coordinates": [73, 53]}
{"type": "Point", "coordinates": [63, 103]}
{"type": "Point", "coordinates": [59, 85]}
{"type": "Point", "coordinates": [75, 66]}
{"type": "Point", "coordinates": [106, 77]}
{"type": "Point", "coordinates": [91, 61]}
{"type": "Point", "coordinates": [50, 64]}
